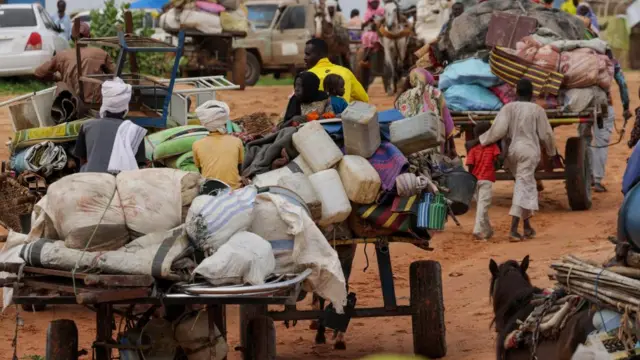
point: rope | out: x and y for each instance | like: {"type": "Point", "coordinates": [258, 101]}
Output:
{"type": "Point", "coordinates": [75, 267]}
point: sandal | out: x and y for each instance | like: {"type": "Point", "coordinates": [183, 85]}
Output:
{"type": "Point", "coordinates": [515, 237]}
{"type": "Point", "coordinates": [529, 233]}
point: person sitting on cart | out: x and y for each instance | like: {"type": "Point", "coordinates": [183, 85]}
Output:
{"type": "Point", "coordinates": [111, 144]}
{"type": "Point", "coordinates": [63, 67]}
{"type": "Point", "coordinates": [334, 86]}
{"type": "Point", "coordinates": [219, 155]}
{"type": "Point", "coordinates": [599, 149]}
{"type": "Point", "coordinates": [308, 102]}
{"type": "Point", "coordinates": [525, 126]}
{"type": "Point", "coordinates": [456, 10]}
{"type": "Point", "coordinates": [481, 161]}
{"type": "Point", "coordinates": [316, 58]}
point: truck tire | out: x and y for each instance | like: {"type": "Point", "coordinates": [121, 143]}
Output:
{"type": "Point", "coordinates": [425, 278]}
{"type": "Point", "coordinates": [578, 174]}
{"type": "Point", "coordinates": [253, 69]}
{"type": "Point", "coordinates": [62, 340]}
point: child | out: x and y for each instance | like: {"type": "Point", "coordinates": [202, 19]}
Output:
{"type": "Point", "coordinates": [334, 86]}
{"type": "Point", "coordinates": [481, 163]}
{"type": "Point", "coordinates": [308, 102]}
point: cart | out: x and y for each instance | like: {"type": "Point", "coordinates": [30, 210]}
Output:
{"type": "Point", "coordinates": [576, 170]}
{"type": "Point", "coordinates": [122, 295]}
{"type": "Point", "coordinates": [213, 54]}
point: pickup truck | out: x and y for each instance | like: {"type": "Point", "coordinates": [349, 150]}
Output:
{"type": "Point", "coordinates": [275, 43]}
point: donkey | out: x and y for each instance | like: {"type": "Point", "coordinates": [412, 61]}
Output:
{"type": "Point", "coordinates": [511, 292]}
{"type": "Point", "coordinates": [395, 40]}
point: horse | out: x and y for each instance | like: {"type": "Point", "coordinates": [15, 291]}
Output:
{"type": "Point", "coordinates": [395, 39]}
{"type": "Point", "coordinates": [511, 292]}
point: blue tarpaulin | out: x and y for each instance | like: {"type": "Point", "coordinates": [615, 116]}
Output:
{"type": "Point", "coordinates": [148, 4]}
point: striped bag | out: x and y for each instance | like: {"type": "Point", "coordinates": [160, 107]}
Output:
{"type": "Point", "coordinates": [212, 220]}
{"type": "Point", "coordinates": [511, 69]}
{"type": "Point", "coordinates": [383, 216]}
{"type": "Point", "coordinates": [423, 211]}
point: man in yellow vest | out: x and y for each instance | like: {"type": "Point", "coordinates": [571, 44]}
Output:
{"type": "Point", "coordinates": [316, 57]}
{"type": "Point", "coordinates": [570, 6]}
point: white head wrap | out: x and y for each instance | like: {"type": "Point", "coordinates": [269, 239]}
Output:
{"type": "Point", "coordinates": [116, 96]}
{"type": "Point", "coordinates": [214, 115]}
{"type": "Point", "coordinates": [331, 3]}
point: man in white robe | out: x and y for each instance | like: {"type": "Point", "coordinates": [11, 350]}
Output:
{"type": "Point", "coordinates": [524, 126]}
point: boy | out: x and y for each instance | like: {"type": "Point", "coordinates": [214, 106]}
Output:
{"type": "Point", "coordinates": [481, 163]}
{"type": "Point", "coordinates": [334, 86]}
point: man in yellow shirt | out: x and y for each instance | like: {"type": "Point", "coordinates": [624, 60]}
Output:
{"type": "Point", "coordinates": [219, 155]}
{"type": "Point", "coordinates": [316, 57]}
{"type": "Point", "coordinates": [570, 6]}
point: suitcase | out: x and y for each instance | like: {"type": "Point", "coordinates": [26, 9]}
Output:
{"type": "Point", "coordinates": [507, 29]}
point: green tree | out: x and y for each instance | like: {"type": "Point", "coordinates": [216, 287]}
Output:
{"type": "Point", "coordinates": [105, 23]}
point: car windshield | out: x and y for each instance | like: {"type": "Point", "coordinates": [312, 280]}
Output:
{"type": "Point", "coordinates": [17, 18]}
{"type": "Point", "coordinates": [261, 16]}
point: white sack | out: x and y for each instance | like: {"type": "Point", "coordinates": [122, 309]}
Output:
{"type": "Point", "coordinates": [152, 254]}
{"type": "Point", "coordinates": [311, 250]}
{"type": "Point", "coordinates": [205, 22]}
{"type": "Point", "coordinates": [212, 220]}
{"type": "Point", "coordinates": [10, 253]}
{"type": "Point", "coordinates": [156, 199]}
{"type": "Point", "coordinates": [245, 259]}
{"type": "Point", "coordinates": [268, 224]}
{"type": "Point", "coordinates": [73, 207]}
{"type": "Point", "coordinates": [578, 100]}
{"type": "Point", "coordinates": [192, 334]}
{"type": "Point", "coordinates": [170, 20]}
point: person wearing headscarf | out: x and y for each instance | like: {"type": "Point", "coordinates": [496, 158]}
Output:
{"type": "Point", "coordinates": [374, 13]}
{"type": "Point", "coordinates": [63, 67]}
{"type": "Point", "coordinates": [218, 156]}
{"type": "Point", "coordinates": [584, 10]}
{"type": "Point", "coordinates": [111, 144]}
{"type": "Point", "coordinates": [333, 13]}
{"type": "Point", "coordinates": [421, 95]}
{"type": "Point", "coordinates": [307, 102]}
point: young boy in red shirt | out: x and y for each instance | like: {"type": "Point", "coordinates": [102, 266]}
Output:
{"type": "Point", "coordinates": [481, 163]}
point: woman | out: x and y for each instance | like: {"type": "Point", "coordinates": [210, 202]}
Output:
{"type": "Point", "coordinates": [584, 10]}
{"type": "Point", "coordinates": [370, 35]}
{"type": "Point", "coordinates": [307, 102]}
{"type": "Point", "coordinates": [422, 95]}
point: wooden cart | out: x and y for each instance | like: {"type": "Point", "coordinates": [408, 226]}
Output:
{"type": "Point", "coordinates": [576, 170]}
{"type": "Point", "coordinates": [111, 295]}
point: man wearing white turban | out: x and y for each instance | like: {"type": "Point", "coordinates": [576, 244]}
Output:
{"type": "Point", "coordinates": [111, 144]}
{"type": "Point", "coordinates": [218, 156]}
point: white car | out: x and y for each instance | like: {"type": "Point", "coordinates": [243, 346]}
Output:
{"type": "Point", "coordinates": [28, 38]}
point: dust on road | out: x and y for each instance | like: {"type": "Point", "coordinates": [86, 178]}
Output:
{"type": "Point", "coordinates": [464, 262]}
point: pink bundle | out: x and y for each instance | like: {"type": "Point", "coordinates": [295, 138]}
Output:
{"type": "Point", "coordinates": [544, 56]}
{"type": "Point", "coordinates": [580, 68]}
{"type": "Point", "coordinates": [505, 92]}
{"type": "Point", "coordinates": [210, 7]}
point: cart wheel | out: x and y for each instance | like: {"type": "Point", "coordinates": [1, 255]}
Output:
{"type": "Point", "coordinates": [428, 309]}
{"type": "Point", "coordinates": [253, 69]}
{"type": "Point", "coordinates": [578, 174]}
{"type": "Point", "coordinates": [34, 308]}
{"type": "Point", "coordinates": [62, 340]}
{"type": "Point", "coordinates": [261, 339]}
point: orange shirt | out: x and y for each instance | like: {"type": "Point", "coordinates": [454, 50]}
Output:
{"type": "Point", "coordinates": [218, 156]}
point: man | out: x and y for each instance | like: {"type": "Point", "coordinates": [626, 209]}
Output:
{"type": "Point", "coordinates": [456, 10]}
{"type": "Point", "coordinates": [316, 54]}
{"type": "Point", "coordinates": [355, 22]}
{"type": "Point", "coordinates": [334, 13]}
{"type": "Point", "coordinates": [570, 6]}
{"type": "Point", "coordinates": [64, 67]}
{"type": "Point", "coordinates": [218, 156]}
{"type": "Point", "coordinates": [525, 126]}
{"type": "Point", "coordinates": [111, 144]}
{"type": "Point", "coordinates": [599, 138]}
{"type": "Point", "coordinates": [62, 19]}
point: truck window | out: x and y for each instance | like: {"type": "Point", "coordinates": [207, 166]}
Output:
{"type": "Point", "coordinates": [294, 18]}
{"type": "Point", "coordinates": [261, 16]}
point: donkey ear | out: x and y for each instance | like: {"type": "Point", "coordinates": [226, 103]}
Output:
{"type": "Point", "coordinates": [493, 267]}
{"type": "Point", "coordinates": [524, 265]}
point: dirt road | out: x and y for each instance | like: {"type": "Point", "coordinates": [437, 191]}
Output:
{"type": "Point", "coordinates": [464, 262]}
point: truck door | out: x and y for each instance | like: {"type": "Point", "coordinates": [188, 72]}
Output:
{"type": "Point", "coordinates": [290, 35]}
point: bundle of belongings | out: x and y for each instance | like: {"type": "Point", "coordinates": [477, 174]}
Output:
{"type": "Point", "coordinates": [483, 52]}
{"type": "Point", "coordinates": [206, 16]}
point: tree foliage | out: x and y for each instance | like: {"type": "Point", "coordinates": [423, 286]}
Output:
{"type": "Point", "coordinates": [106, 22]}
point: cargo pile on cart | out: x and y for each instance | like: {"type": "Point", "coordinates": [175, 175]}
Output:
{"type": "Point", "coordinates": [486, 50]}
{"type": "Point", "coordinates": [208, 17]}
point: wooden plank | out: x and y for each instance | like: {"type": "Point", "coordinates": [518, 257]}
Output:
{"type": "Point", "coordinates": [111, 296]}
{"type": "Point", "coordinates": [97, 280]}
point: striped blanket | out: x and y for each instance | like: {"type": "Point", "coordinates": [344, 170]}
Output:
{"type": "Point", "coordinates": [511, 68]}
